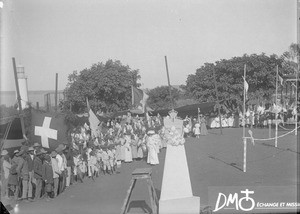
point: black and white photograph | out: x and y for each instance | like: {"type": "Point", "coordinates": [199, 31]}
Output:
{"type": "Point", "coordinates": [149, 106]}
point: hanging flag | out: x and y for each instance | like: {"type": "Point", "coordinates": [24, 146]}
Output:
{"type": "Point", "coordinates": [280, 79]}
{"type": "Point", "coordinates": [246, 86]}
{"type": "Point", "coordinates": [49, 129]}
{"type": "Point", "coordinates": [93, 119]}
{"type": "Point", "coordinates": [139, 99]}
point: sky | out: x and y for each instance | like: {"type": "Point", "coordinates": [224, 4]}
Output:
{"type": "Point", "coordinates": [55, 36]}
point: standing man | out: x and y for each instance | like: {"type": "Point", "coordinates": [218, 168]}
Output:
{"type": "Point", "coordinates": [56, 172]}
{"type": "Point", "coordinates": [30, 158]}
{"type": "Point", "coordinates": [22, 170]}
{"type": "Point", "coordinates": [38, 172]}
{"type": "Point", "coordinates": [70, 165]}
{"type": "Point", "coordinates": [5, 168]}
{"type": "Point", "coordinates": [13, 179]}
{"type": "Point", "coordinates": [61, 160]}
{"type": "Point", "coordinates": [36, 146]}
{"type": "Point", "coordinates": [48, 176]}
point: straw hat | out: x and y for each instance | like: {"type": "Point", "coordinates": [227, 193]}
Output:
{"type": "Point", "coordinates": [60, 147]}
{"type": "Point", "coordinates": [4, 152]}
{"type": "Point", "coordinates": [41, 151]}
{"type": "Point", "coordinates": [16, 151]}
{"type": "Point", "coordinates": [36, 145]}
{"type": "Point", "coordinates": [30, 149]}
{"type": "Point", "coordinates": [25, 148]}
{"type": "Point", "coordinates": [21, 152]}
{"type": "Point", "coordinates": [53, 154]}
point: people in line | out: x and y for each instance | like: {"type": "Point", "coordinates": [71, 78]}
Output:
{"type": "Point", "coordinates": [35, 173]}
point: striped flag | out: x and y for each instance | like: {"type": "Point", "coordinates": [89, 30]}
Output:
{"type": "Point", "coordinates": [139, 99]}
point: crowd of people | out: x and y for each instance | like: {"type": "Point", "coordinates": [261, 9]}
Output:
{"type": "Point", "coordinates": [194, 127]}
{"type": "Point", "coordinates": [34, 173]}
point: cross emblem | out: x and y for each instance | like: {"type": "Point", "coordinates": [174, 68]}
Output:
{"type": "Point", "coordinates": [45, 132]}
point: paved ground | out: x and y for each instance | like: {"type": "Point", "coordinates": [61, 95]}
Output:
{"type": "Point", "coordinates": [214, 160]}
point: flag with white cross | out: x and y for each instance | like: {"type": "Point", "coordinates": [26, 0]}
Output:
{"type": "Point", "coordinates": [48, 129]}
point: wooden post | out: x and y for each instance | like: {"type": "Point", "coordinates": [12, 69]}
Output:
{"type": "Point", "coordinates": [244, 106]}
{"type": "Point", "coordinates": [37, 106]}
{"type": "Point", "coordinates": [218, 103]}
{"type": "Point", "coordinates": [276, 113]}
{"type": "Point", "coordinates": [270, 128]}
{"type": "Point", "coordinates": [298, 62]}
{"type": "Point", "coordinates": [18, 96]}
{"type": "Point", "coordinates": [170, 91]}
{"type": "Point", "coordinates": [245, 155]}
{"type": "Point", "coordinates": [244, 124]}
{"type": "Point", "coordinates": [56, 86]}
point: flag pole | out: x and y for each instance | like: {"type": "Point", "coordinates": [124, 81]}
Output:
{"type": "Point", "coordinates": [18, 96]}
{"type": "Point", "coordinates": [132, 101]}
{"type": "Point", "coordinates": [218, 103]}
{"type": "Point", "coordinates": [244, 124]}
{"type": "Point", "coordinates": [298, 62]}
{"type": "Point", "coordinates": [276, 111]}
{"type": "Point", "coordinates": [56, 86]}
{"type": "Point", "coordinates": [169, 82]}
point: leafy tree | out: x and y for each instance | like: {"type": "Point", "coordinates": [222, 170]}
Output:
{"type": "Point", "coordinates": [290, 59]}
{"type": "Point", "coordinates": [107, 87]}
{"type": "Point", "coordinates": [261, 75]}
{"type": "Point", "coordinates": [159, 97]}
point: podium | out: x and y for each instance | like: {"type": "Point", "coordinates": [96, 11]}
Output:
{"type": "Point", "coordinates": [176, 191]}
{"type": "Point", "coordinates": [143, 174]}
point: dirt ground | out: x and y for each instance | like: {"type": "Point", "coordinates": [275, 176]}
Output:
{"type": "Point", "coordinates": [213, 160]}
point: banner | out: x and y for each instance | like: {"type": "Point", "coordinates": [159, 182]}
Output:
{"type": "Point", "coordinates": [49, 129]}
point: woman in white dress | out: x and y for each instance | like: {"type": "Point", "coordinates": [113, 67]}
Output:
{"type": "Point", "coordinates": [127, 149]}
{"type": "Point", "coordinates": [140, 152]}
{"type": "Point", "coordinates": [153, 149]}
{"type": "Point", "coordinates": [197, 129]}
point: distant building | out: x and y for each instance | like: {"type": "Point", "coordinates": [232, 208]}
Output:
{"type": "Point", "coordinates": [43, 98]}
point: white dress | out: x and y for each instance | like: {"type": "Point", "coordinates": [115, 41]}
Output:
{"type": "Point", "coordinates": [152, 151]}
{"type": "Point", "coordinates": [197, 129]}
{"type": "Point", "coordinates": [128, 153]}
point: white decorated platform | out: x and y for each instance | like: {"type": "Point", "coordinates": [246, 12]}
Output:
{"type": "Point", "coordinates": [176, 192]}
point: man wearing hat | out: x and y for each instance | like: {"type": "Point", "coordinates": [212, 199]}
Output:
{"type": "Point", "coordinates": [38, 171]}
{"type": "Point", "coordinates": [62, 165]}
{"type": "Point", "coordinates": [13, 180]}
{"type": "Point", "coordinates": [30, 157]}
{"type": "Point", "coordinates": [36, 146]}
{"type": "Point", "coordinates": [56, 172]}
{"type": "Point", "coordinates": [5, 168]}
{"type": "Point", "coordinates": [68, 152]}
{"type": "Point", "coordinates": [23, 173]}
